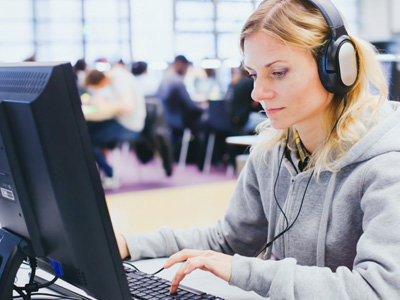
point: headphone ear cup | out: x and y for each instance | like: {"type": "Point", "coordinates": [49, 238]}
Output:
{"type": "Point", "coordinates": [338, 65]}
{"type": "Point", "coordinates": [347, 63]}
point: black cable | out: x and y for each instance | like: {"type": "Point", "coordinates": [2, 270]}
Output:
{"type": "Point", "coordinates": [133, 266]}
{"type": "Point", "coordinates": [162, 269]}
{"type": "Point", "coordinates": [21, 293]}
{"type": "Point", "coordinates": [32, 286]}
{"type": "Point", "coordinates": [276, 198]}
{"type": "Point", "coordinates": [298, 213]}
{"type": "Point", "coordinates": [337, 121]}
{"type": "Point", "coordinates": [33, 264]}
{"type": "Point", "coordinates": [137, 269]}
{"type": "Point", "coordinates": [269, 244]}
{"type": "Point", "coordinates": [51, 295]}
{"type": "Point", "coordinates": [276, 180]}
{"type": "Point", "coordinates": [47, 284]}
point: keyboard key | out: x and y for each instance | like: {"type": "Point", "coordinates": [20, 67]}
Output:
{"type": "Point", "coordinates": [149, 287]}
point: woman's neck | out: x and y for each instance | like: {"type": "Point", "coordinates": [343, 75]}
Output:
{"type": "Point", "coordinates": [311, 138]}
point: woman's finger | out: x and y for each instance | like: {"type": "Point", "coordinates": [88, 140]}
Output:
{"type": "Point", "coordinates": [181, 256]}
{"type": "Point", "coordinates": [217, 263]}
{"type": "Point", "coordinates": [179, 275]}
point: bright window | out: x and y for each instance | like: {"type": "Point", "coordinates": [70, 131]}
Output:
{"type": "Point", "coordinates": [149, 30]}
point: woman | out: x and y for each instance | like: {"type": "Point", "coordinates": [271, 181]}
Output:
{"type": "Point", "coordinates": [321, 189]}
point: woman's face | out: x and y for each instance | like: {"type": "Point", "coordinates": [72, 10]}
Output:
{"type": "Point", "coordinates": [286, 83]}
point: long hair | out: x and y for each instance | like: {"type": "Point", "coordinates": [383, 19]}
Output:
{"type": "Point", "coordinates": [298, 23]}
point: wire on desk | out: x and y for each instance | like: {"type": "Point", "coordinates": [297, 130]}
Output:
{"type": "Point", "coordinates": [133, 266]}
{"type": "Point", "coordinates": [32, 286]}
{"type": "Point", "coordinates": [57, 297]}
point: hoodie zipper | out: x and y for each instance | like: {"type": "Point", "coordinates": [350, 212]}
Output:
{"type": "Point", "coordinates": [287, 210]}
{"type": "Point", "coordinates": [294, 172]}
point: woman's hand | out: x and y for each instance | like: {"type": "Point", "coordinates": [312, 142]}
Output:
{"type": "Point", "coordinates": [217, 263]}
{"type": "Point", "coordinates": [122, 246]}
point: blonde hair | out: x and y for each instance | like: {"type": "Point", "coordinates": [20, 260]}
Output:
{"type": "Point", "coordinates": [299, 23]}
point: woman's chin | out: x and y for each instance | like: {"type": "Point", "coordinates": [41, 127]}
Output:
{"type": "Point", "coordinates": [279, 125]}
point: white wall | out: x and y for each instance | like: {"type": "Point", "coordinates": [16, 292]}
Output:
{"type": "Point", "coordinates": [349, 9]}
{"type": "Point", "coordinates": [395, 9]}
{"type": "Point", "coordinates": [379, 19]}
{"type": "Point", "coordinates": [375, 20]}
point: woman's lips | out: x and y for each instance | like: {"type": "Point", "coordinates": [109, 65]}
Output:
{"type": "Point", "coordinates": [271, 111]}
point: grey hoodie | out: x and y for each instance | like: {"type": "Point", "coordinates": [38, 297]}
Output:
{"type": "Point", "coordinates": [345, 243]}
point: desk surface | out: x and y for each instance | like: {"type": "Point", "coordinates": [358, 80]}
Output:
{"type": "Point", "coordinates": [94, 114]}
{"type": "Point", "coordinates": [200, 280]}
{"type": "Point", "coordinates": [241, 140]}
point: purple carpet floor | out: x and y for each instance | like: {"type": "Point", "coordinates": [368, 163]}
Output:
{"type": "Point", "coordinates": [136, 176]}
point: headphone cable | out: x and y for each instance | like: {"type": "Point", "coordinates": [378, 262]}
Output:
{"type": "Point", "coordinates": [269, 244]}
{"type": "Point", "coordinates": [276, 180]}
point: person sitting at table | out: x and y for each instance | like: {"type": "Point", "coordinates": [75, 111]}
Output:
{"type": "Point", "coordinates": [148, 83]}
{"type": "Point", "coordinates": [80, 68]}
{"type": "Point", "coordinates": [180, 110]}
{"type": "Point", "coordinates": [121, 107]}
{"type": "Point", "coordinates": [244, 112]}
{"type": "Point", "coordinates": [315, 211]}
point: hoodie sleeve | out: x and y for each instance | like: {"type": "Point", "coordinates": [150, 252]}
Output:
{"type": "Point", "coordinates": [376, 270]}
{"type": "Point", "coordinates": [242, 230]}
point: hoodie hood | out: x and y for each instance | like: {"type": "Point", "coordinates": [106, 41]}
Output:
{"type": "Point", "coordinates": [381, 139]}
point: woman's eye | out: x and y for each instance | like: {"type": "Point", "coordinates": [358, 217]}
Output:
{"type": "Point", "coordinates": [280, 74]}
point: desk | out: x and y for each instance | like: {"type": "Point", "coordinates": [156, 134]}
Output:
{"type": "Point", "coordinates": [241, 140]}
{"type": "Point", "coordinates": [94, 114]}
{"type": "Point", "coordinates": [200, 280]}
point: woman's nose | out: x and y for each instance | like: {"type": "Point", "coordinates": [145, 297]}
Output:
{"type": "Point", "coordinates": [262, 92]}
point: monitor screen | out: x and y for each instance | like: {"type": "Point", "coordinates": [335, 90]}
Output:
{"type": "Point", "coordinates": [50, 189]}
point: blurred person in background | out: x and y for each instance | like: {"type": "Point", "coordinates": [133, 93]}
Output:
{"type": "Point", "coordinates": [180, 110]}
{"type": "Point", "coordinates": [148, 84]}
{"type": "Point", "coordinates": [119, 113]}
{"type": "Point", "coordinates": [207, 86]}
{"type": "Point", "coordinates": [80, 69]}
{"type": "Point", "coordinates": [31, 58]}
{"type": "Point", "coordinates": [244, 112]}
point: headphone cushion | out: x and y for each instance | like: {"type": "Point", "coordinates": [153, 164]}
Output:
{"type": "Point", "coordinates": [338, 66]}
{"type": "Point", "coordinates": [347, 61]}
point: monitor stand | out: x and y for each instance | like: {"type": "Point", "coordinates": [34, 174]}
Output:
{"type": "Point", "coordinates": [13, 250]}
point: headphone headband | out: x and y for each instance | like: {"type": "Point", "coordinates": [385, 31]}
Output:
{"type": "Point", "coordinates": [331, 16]}
{"type": "Point", "coordinates": [338, 59]}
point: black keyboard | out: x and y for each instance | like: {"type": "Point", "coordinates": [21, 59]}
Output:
{"type": "Point", "coordinates": [150, 287]}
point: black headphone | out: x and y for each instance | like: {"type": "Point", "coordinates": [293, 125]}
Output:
{"type": "Point", "coordinates": [338, 58]}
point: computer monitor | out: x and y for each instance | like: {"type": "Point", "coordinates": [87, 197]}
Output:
{"type": "Point", "coordinates": [52, 205]}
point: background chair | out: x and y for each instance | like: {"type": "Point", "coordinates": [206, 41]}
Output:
{"type": "Point", "coordinates": [218, 123]}
{"type": "Point", "coordinates": [181, 135]}
{"type": "Point", "coordinates": [154, 142]}
{"type": "Point", "coordinates": [155, 139]}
